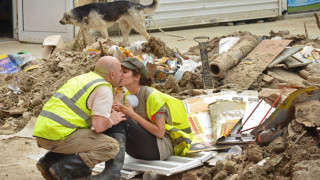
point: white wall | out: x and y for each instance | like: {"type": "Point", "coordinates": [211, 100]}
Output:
{"type": "Point", "coordinates": [174, 13]}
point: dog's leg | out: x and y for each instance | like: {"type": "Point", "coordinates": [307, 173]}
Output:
{"type": "Point", "coordinates": [104, 32]}
{"type": "Point", "coordinates": [125, 30]}
{"type": "Point", "coordinates": [136, 21]}
{"type": "Point", "coordinates": [84, 32]}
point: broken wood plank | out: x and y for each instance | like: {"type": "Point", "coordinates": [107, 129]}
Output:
{"type": "Point", "coordinates": [285, 54]}
{"type": "Point", "coordinates": [244, 74]}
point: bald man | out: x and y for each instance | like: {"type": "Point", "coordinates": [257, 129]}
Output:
{"type": "Point", "coordinates": [70, 123]}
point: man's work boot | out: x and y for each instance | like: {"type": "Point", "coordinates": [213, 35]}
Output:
{"type": "Point", "coordinates": [46, 162]}
{"type": "Point", "coordinates": [70, 167]}
{"type": "Point", "coordinates": [113, 167]}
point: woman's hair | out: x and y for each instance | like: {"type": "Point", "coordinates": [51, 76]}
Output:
{"type": "Point", "coordinates": [143, 81]}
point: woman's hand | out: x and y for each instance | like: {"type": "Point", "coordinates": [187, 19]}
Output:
{"type": "Point", "coordinates": [116, 106]}
{"type": "Point", "coordinates": [157, 128]}
{"type": "Point", "coordinates": [127, 110]}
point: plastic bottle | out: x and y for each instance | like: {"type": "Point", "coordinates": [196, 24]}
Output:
{"type": "Point", "coordinates": [234, 151]}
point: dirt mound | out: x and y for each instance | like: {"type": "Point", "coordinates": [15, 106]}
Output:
{"type": "Point", "coordinates": [157, 47]}
{"type": "Point", "coordinates": [291, 156]}
{"type": "Point", "coordinates": [28, 91]}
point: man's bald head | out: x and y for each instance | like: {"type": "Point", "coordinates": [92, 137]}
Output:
{"type": "Point", "coordinates": [106, 64]}
{"type": "Point", "coordinates": [109, 68]}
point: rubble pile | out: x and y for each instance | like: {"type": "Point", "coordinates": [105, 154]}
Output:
{"type": "Point", "coordinates": [34, 88]}
{"type": "Point", "coordinates": [294, 155]}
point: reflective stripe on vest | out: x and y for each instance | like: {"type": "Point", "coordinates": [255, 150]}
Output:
{"type": "Point", "coordinates": [179, 131]}
{"type": "Point", "coordinates": [187, 130]}
{"type": "Point", "coordinates": [84, 89]}
{"type": "Point", "coordinates": [57, 118]}
{"type": "Point", "coordinates": [67, 110]}
{"type": "Point", "coordinates": [71, 104]}
{"type": "Point", "coordinates": [180, 140]}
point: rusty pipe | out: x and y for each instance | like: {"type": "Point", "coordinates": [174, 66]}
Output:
{"type": "Point", "coordinates": [226, 60]}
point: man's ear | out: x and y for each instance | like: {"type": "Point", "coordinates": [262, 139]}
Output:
{"type": "Point", "coordinates": [111, 75]}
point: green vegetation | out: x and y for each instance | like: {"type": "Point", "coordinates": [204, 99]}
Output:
{"type": "Point", "coordinates": [312, 7]}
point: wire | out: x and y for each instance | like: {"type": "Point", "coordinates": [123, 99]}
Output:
{"type": "Point", "coordinates": [182, 37]}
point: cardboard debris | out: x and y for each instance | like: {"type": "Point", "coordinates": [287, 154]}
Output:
{"type": "Point", "coordinates": [202, 125]}
{"type": "Point", "coordinates": [50, 45]}
{"type": "Point", "coordinates": [6, 65]}
{"type": "Point", "coordinates": [224, 117]}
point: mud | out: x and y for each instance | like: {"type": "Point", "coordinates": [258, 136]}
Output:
{"type": "Point", "coordinates": [308, 113]}
{"type": "Point", "coordinates": [157, 47]}
{"type": "Point", "coordinates": [291, 156]}
{"type": "Point", "coordinates": [285, 158]}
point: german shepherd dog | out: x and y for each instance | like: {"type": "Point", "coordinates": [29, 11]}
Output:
{"type": "Point", "coordinates": [100, 16]}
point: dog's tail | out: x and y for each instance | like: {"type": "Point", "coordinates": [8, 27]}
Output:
{"type": "Point", "coordinates": [148, 9]}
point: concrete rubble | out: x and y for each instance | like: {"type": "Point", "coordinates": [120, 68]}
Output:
{"type": "Point", "coordinates": [295, 154]}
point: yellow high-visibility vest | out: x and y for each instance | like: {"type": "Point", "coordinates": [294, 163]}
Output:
{"type": "Point", "coordinates": [179, 130]}
{"type": "Point", "coordinates": [66, 111]}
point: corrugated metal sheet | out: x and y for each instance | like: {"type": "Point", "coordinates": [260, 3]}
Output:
{"type": "Point", "coordinates": [175, 13]}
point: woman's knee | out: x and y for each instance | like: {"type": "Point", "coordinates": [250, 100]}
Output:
{"type": "Point", "coordinates": [110, 146]}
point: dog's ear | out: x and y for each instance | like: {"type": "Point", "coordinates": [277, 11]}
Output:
{"type": "Point", "coordinates": [67, 18]}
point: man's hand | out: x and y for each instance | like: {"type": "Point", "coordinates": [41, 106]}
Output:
{"type": "Point", "coordinates": [116, 106]}
{"type": "Point", "coordinates": [116, 116]}
{"type": "Point", "coordinates": [101, 123]}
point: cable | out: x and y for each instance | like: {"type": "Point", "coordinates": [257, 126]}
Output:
{"type": "Point", "coordinates": [182, 37]}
